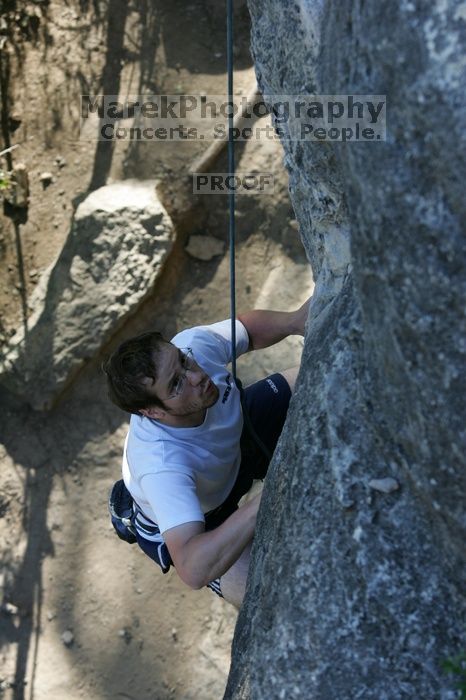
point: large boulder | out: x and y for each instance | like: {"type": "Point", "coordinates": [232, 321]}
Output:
{"type": "Point", "coordinates": [357, 587]}
{"type": "Point", "coordinates": [120, 238]}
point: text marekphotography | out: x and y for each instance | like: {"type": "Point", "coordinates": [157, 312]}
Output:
{"type": "Point", "coordinates": [346, 118]}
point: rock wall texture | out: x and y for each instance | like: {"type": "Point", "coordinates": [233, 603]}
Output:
{"type": "Point", "coordinates": [357, 588]}
{"type": "Point", "coordinates": [119, 240]}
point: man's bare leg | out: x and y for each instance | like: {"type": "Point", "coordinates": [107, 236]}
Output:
{"type": "Point", "coordinates": [233, 582]}
{"type": "Point", "coordinates": [290, 376]}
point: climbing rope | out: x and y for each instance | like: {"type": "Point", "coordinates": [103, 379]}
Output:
{"type": "Point", "coordinates": [231, 193]}
{"type": "Point", "coordinates": [232, 230]}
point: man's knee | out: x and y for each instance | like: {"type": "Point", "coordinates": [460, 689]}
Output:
{"type": "Point", "coordinates": [290, 375]}
{"type": "Point", "coordinates": [233, 581]}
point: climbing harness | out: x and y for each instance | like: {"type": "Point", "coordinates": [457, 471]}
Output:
{"type": "Point", "coordinates": [120, 506]}
{"type": "Point", "coordinates": [125, 514]}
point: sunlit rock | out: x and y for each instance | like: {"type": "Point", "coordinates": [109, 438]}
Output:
{"type": "Point", "coordinates": [119, 240]}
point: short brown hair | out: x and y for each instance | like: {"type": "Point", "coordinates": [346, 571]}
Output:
{"type": "Point", "coordinates": [128, 366]}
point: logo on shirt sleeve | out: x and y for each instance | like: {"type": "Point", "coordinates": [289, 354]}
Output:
{"type": "Point", "coordinates": [227, 391]}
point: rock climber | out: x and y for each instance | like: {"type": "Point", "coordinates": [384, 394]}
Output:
{"type": "Point", "coordinates": [189, 456]}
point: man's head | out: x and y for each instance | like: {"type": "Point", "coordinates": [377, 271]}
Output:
{"type": "Point", "coordinates": [148, 375]}
{"type": "Point", "coordinates": [132, 370]}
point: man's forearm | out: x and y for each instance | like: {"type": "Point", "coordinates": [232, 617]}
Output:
{"type": "Point", "coordinates": [266, 328]}
{"type": "Point", "coordinates": [209, 555]}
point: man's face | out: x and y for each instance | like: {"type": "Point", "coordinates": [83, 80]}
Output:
{"type": "Point", "coordinates": [184, 388]}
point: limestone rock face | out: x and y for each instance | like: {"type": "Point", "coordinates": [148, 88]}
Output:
{"type": "Point", "coordinates": [119, 240]}
{"type": "Point", "coordinates": [357, 589]}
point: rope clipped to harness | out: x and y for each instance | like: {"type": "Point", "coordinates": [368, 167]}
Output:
{"type": "Point", "coordinates": [248, 423]}
{"type": "Point", "coordinates": [231, 193]}
{"type": "Point", "coordinates": [232, 231]}
{"type": "Point", "coordinates": [124, 511]}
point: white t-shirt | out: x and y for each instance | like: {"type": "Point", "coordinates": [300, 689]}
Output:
{"type": "Point", "coordinates": [178, 474]}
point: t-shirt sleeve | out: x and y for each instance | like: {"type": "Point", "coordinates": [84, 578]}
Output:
{"type": "Point", "coordinates": [220, 333]}
{"type": "Point", "coordinates": [172, 497]}
{"type": "Point", "coordinates": [223, 329]}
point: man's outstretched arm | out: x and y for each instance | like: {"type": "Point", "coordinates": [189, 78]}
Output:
{"type": "Point", "coordinates": [200, 557]}
{"type": "Point", "coordinates": [266, 328]}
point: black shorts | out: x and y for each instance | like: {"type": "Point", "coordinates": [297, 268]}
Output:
{"type": "Point", "coordinates": [267, 404]}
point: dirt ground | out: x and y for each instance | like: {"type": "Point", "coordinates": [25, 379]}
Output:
{"type": "Point", "coordinates": [84, 615]}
